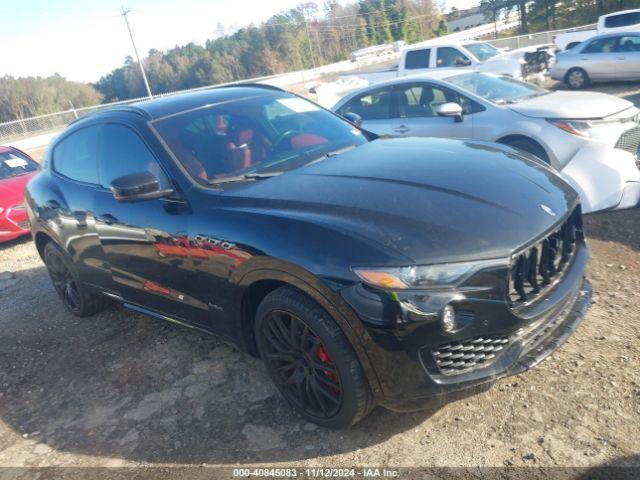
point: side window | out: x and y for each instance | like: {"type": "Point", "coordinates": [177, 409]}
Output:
{"type": "Point", "coordinates": [451, 57]}
{"type": "Point", "coordinates": [75, 155]}
{"type": "Point", "coordinates": [121, 152]}
{"type": "Point", "coordinates": [601, 45]}
{"type": "Point", "coordinates": [623, 20]}
{"type": "Point", "coordinates": [370, 106]}
{"type": "Point", "coordinates": [422, 100]}
{"type": "Point", "coordinates": [417, 59]}
{"type": "Point", "coordinates": [629, 44]}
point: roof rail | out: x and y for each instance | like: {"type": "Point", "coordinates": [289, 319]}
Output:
{"type": "Point", "coordinates": [253, 85]}
{"type": "Point", "coordinates": [115, 108]}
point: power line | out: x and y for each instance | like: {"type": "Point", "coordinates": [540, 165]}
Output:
{"type": "Point", "coordinates": [408, 19]}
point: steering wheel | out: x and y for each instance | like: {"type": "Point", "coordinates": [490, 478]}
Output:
{"type": "Point", "coordinates": [277, 143]}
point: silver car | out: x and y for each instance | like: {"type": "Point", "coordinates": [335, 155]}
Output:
{"type": "Point", "coordinates": [610, 57]}
{"type": "Point", "coordinates": [591, 138]}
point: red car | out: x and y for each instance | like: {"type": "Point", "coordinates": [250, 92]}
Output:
{"type": "Point", "coordinates": [16, 169]}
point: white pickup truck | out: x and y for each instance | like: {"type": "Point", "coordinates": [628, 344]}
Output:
{"type": "Point", "coordinates": [482, 56]}
{"type": "Point", "coordinates": [623, 21]}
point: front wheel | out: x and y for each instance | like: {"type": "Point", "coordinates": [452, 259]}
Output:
{"type": "Point", "coordinates": [529, 146]}
{"type": "Point", "coordinates": [577, 78]}
{"type": "Point", "coordinates": [310, 360]}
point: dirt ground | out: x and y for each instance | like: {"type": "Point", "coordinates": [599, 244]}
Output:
{"type": "Point", "coordinates": [121, 389]}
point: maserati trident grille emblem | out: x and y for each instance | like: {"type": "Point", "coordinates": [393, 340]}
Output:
{"type": "Point", "coordinates": [547, 210]}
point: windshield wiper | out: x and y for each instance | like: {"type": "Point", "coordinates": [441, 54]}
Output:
{"type": "Point", "coordinates": [243, 178]}
{"type": "Point", "coordinates": [331, 154]}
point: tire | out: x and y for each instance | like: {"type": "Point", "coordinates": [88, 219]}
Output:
{"type": "Point", "coordinates": [577, 78]}
{"type": "Point", "coordinates": [317, 372]}
{"type": "Point", "coordinates": [75, 296]}
{"type": "Point", "coordinates": [529, 146]}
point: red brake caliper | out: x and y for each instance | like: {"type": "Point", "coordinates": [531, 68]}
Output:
{"type": "Point", "coordinates": [324, 357]}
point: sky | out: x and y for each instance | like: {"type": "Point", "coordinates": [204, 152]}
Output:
{"type": "Point", "coordinates": [83, 40]}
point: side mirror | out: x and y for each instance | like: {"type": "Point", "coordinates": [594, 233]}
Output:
{"type": "Point", "coordinates": [137, 187]}
{"type": "Point", "coordinates": [462, 62]}
{"type": "Point", "coordinates": [353, 118]}
{"type": "Point", "coordinates": [450, 109]}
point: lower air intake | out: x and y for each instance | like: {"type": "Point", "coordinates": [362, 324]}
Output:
{"type": "Point", "coordinates": [456, 357]}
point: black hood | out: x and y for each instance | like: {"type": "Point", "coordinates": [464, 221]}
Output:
{"type": "Point", "coordinates": [431, 200]}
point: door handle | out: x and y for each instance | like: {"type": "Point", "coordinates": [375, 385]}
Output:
{"type": "Point", "coordinates": [621, 58]}
{"type": "Point", "coordinates": [584, 59]}
{"type": "Point", "coordinates": [107, 219]}
{"type": "Point", "coordinates": [402, 129]}
{"type": "Point", "coordinates": [52, 205]}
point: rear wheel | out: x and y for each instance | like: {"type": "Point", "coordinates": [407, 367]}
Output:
{"type": "Point", "coordinates": [310, 360]}
{"type": "Point", "coordinates": [577, 78]}
{"type": "Point", "coordinates": [73, 293]}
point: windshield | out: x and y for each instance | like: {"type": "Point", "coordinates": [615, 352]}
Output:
{"type": "Point", "coordinates": [482, 51]}
{"type": "Point", "coordinates": [14, 164]}
{"type": "Point", "coordinates": [255, 137]}
{"type": "Point", "coordinates": [498, 89]}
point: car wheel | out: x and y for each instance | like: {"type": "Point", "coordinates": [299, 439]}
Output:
{"type": "Point", "coordinates": [530, 146]}
{"type": "Point", "coordinates": [310, 360]}
{"type": "Point", "coordinates": [577, 78]}
{"type": "Point", "coordinates": [73, 293]}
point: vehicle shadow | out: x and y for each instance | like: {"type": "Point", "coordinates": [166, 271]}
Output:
{"type": "Point", "coordinates": [15, 242]}
{"type": "Point", "coordinates": [633, 98]}
{"type": "Point", "coordinates": [122, 385]}
{"type": "Point", "coordinates": [621, 468]}
{"type": "Point", "coordinates": [626, 231]}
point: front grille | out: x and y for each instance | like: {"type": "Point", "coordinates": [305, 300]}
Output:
{"type": "Point", "coordinates": [630, 142]}
{"type": "Point", "coordinates": [535, 270]}
{"type": "Point", "coordinates": [456, 357]}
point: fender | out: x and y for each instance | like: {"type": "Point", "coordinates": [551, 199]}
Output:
{"type": "Point", "coordinates": [327, 298]}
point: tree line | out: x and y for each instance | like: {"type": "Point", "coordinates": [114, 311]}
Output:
{"type": "Point", "coordinates": [296, 39]}
{"type": "Point", "coordinates": [31, 96]}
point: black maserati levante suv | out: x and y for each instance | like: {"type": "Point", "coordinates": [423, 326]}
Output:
{"type": "Point", "coordinates": [364, 271]}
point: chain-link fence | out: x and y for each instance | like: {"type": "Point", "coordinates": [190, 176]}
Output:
{"type": "Point", "coordinates": [54, 122]}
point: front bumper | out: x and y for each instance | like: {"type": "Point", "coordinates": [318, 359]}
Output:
{"type": "Point", "coordinates": [606, 178]}
{"type": "Point", "coordinates": [404, 354]}
{"type": "Point", "coordinates": [13, 224]}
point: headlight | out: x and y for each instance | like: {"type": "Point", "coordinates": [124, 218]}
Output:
{"type": "Point", "coordinates": [574, 127]}
{"type": "Point", "coordinates": [424, 276]}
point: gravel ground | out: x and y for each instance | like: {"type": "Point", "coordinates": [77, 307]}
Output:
{"type": "Point", "coordinates": [122, 389]}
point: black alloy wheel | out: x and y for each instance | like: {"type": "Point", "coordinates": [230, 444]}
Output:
{"type": "Point", "coordinates": [299, 361]}
{"type": "Point", "coordinates": [311, 360]}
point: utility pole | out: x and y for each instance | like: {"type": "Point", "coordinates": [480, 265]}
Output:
{"type": "Point", "coordinates": [306, 27]}
{"type": "Point", "coordinates": [135, 49]}
{"type": "Point", "coordinates": [304, 10]}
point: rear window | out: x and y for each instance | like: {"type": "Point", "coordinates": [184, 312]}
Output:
{"type": "Point", "coordinates": [75, 155]}
{"type": "Point", "coordinates": [622, 20]}
{"type": "Point", "coordinates": [416, 59]}
{"type": "Point", "coordinates": [14, 164]}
